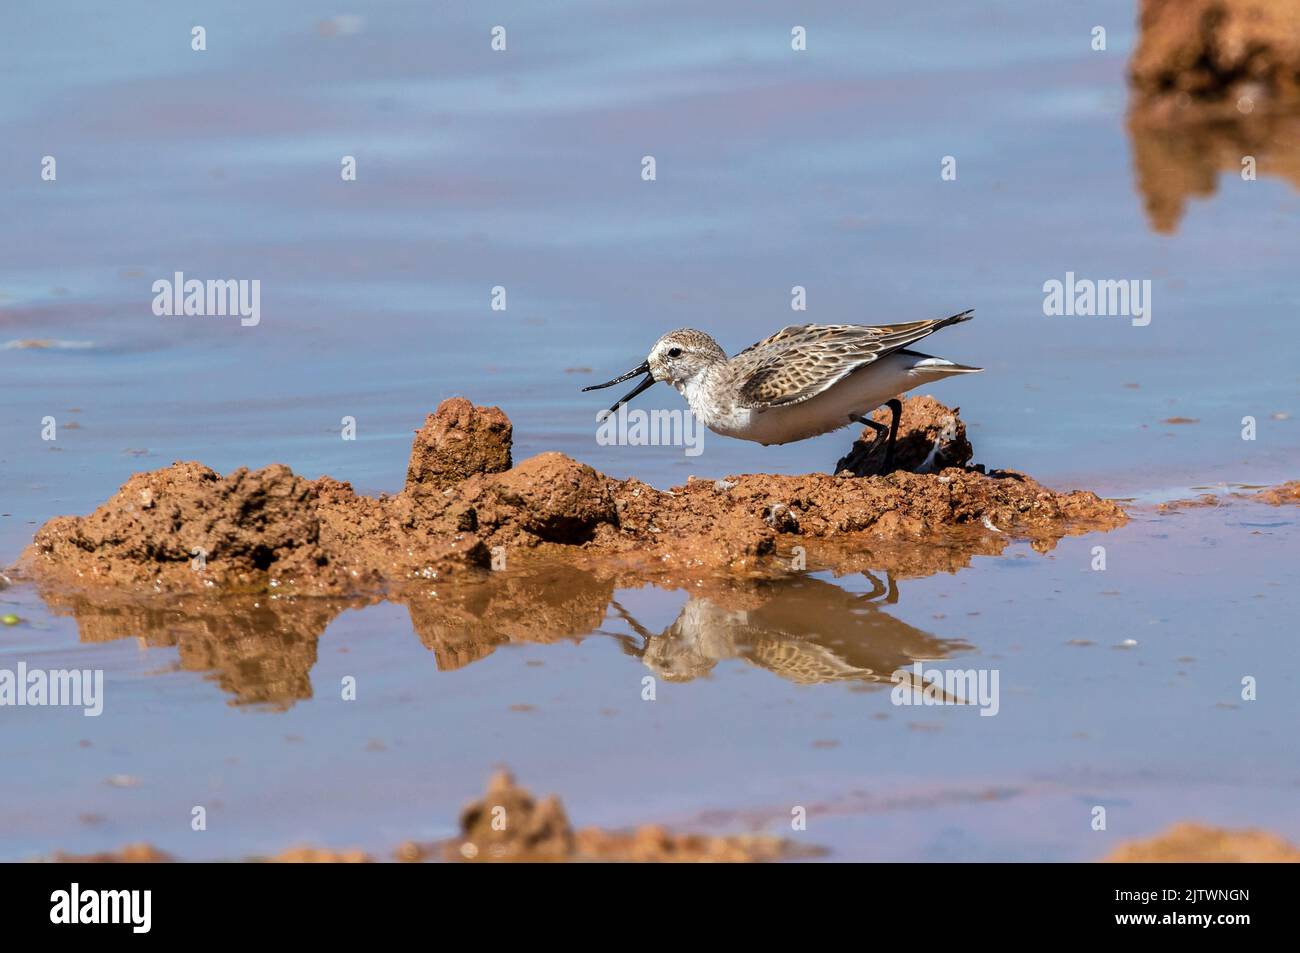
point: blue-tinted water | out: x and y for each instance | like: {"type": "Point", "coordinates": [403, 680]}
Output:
{"type": "Point", "coordinates": [522, 169]}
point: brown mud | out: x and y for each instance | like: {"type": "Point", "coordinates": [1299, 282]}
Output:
{"type": "Point", "coordinates": [1280, 495]}
{"type": "Point", "coordinates": [1213, 81]}
{"type": "Point", "coordinates": [509, 825]}
{"type": "Point", "coordinates": [188, 529]}
{"type": "Point", "coordinates": [130, 854]}
{"type": "Point", "coordinates": [1283, 494]}
{"type": "Point", "coordinates": [1189, 842]}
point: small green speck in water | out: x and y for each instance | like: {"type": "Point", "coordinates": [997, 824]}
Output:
{"type": "Point", "coordinates": [10, 619]}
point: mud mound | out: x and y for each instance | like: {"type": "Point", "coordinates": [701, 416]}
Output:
{"type": "Point", "coordinates": [320, 855]}
{"type": "Point", "coordinates": [507, 824]}
{"type": "Point", "coordinates": [1198, 843]}
{"type": "Point", "coordinates": [457, 441]}
{"type": "Point", "coordinates": [186, 527]}
{"type": "Point", "coordinates": [931, 437]}
{"type": "Point", "coordinates": [747, 522]}
{"type": "Point", "coordinates": [130, 854]}
{"type": "Point", "coordinates": [1281, 495]}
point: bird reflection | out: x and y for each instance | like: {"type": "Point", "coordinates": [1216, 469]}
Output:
{"type": "Point", "coordinates": [804, 629]}
{"type": "Point", "coordinates": [261, 651]}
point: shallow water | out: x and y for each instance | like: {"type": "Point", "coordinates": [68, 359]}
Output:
{"type": "Point", "coordinates": [766, 699]}
{"type": "Point", "coordinates": [522, 169]}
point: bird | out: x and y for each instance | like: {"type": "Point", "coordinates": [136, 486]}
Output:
{"type": "Point", "coordinates": [803, 381]}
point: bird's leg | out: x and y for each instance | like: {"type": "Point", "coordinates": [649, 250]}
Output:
{"type": "Point", "coordinates": [886, 435]}
{"type": "Point", "coordinates": [855, 461]}
{"type": "Point", "coordinates": [629, 644]}
{"type": "Point", "coordinates": [867, 421]}
{"type": "Point", "coordinates": [879, 589]}
{"type": "Point", "coordinates": [896, 408]}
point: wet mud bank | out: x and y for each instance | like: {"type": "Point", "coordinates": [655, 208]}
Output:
{"type": "Point", "coordinates": [467, 508]}
{"type": "Point", "coordinates": [1284, 494]}
{"type": "Point", "coordinates": [508, 824]}
{"type": "Point", "coordinates": [1191, 842]}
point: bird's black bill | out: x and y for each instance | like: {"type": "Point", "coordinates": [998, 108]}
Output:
{"type": "Point", "coordinates": [647, 382]}
{"type": "Point", "coordinates": [642, 368]}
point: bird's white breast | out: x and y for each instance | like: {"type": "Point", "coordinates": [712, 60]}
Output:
{"type": "Point", "coordinates": [858, 394]}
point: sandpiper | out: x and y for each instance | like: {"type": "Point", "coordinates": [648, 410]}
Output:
{"type": "Point", "coordinates": [804, 380]}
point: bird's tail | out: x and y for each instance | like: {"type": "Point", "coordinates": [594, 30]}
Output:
{"type": "Point", "coordinates": [955, 319]}
{"type": "Point", "coordinates": [937, 367]}
{"type": "Point", "coordinates": [896, 336]}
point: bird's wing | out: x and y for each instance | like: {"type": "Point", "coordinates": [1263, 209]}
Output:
{"type": "Point", "coordinates": [803, 360]}
{"type": "Point", "coordinates": [806, 663]}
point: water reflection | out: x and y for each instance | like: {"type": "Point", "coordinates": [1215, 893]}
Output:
{"type": "Point", "coordinates": [469, 622]}
{"type": "Point", "coordinates": [1212, 91]}
{"type": "Point", "coordinates": [803, 629]}
{"type": "Point", "coordinates": [261, 651]}
{"type": "Point", "coordinates": [1178, 161]}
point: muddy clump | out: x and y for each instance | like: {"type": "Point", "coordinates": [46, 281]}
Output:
{"type": "Point", "coordinates": [1215, 90]}
{"type": "Point", "coordinates": [1284, 494]}
{"type": "Point", "coordinates": [508, 824]}
{"type": "Point", "coordinates": [130, 854]}
{"type": "Point", "coordinates": [192, 527]}
{"type": "Point", "coordinates": [320, 855]}
{"type": "Point", "coordinates": [457, 441]}
{"type": "Point", "coordinates": [464, 508]}
{"type": "Point", "coordinates": [737, 522]}
{"type": "Point", "coordinates": [1191, 843]}
{"type": "Point", "coordinates": [931, 437]}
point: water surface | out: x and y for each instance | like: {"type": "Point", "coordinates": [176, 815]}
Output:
{"type": "Point", "coordinates": [522, 170]}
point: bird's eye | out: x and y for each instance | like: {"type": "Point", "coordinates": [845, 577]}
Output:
{"type": "Point", "coordinates": [674, 352]}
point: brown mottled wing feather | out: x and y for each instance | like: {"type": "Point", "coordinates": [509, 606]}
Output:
{"type": "Point", "coordinates": [803, 360]}
{"type": "Point", "coordinates": [806, 663]}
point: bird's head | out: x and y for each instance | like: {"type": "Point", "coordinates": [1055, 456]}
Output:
{"type": "Point", "coordinates": [677, 357]}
